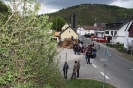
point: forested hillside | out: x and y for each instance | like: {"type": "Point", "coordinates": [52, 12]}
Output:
{"type": "Point", "coordinates": [87, 13]}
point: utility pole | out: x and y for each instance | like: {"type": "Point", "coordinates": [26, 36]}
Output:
{"type": "Point", "coordinates": [65, 66]}
{"type": "Point", "coordinates": [105, 66]}
{"type": "Point", "coordinates": [106, 54]}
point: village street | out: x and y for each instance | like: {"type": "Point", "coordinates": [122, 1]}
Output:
{"type": "Point", "coordinates": [118, 73]}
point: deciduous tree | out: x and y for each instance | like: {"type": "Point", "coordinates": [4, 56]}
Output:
{"type": "Point", "coordinates": [27, 56]}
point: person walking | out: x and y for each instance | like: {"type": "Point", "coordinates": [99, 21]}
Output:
{"type": "Point", "coordinates": [65, 69]}
{"type": "Point", "coordinates": [88, 57]}
{"type": "Point", "coordinates": [74, 70]}
{"type": "Point", "coordinates": [78, 67]}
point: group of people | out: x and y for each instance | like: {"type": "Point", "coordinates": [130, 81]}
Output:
{"type": "Point", "coordinates": [89, 51]}
{"type": "Point", "coordinates": [75, 72]}
{"type": "Point", "coordinates": [78, 48]}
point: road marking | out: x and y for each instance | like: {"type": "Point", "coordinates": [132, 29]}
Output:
{"type": "Point", "coordinates": [94, 65]}
{"type": "Point", "coordinates": [105, 75]}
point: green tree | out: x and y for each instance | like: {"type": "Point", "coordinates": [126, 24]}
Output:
{"type": "Point", "coordinates": [27, 56]}
{"type": "Point", "coordinates": [58, 23]}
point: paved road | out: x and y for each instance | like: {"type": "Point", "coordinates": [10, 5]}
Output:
{"type": "Point", "coordinates": [118, 70]}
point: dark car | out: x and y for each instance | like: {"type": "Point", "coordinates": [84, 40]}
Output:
{"type": "Point", "coordinates": [87, 35]}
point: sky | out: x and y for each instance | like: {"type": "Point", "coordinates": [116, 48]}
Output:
{"type": "Point", "coordinates": [49, 6]}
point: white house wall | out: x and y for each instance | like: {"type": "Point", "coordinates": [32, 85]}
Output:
{"type": "Point", "coordinates": [89, 31]}
{"type": "Point", "coordinates": [80, 31]}
{"type": "Point", "coordinates": [118, 39]}
{"type": "Point", "coordinates": [127, 39]}
{"type": "Point", "coordinates": [121, 31]}
{"type": "Point", "coordinates": [120, 34]}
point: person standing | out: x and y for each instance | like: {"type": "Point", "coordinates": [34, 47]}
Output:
{"type": "Point", "coordinates": [93, 44]}
{"type": "Point", "coordinates": [91, 57]}
{"type": "Point", "coordinates": [78, 50]}
{"type": "Point", "coordinates": [78, 67]}
{"type": "Point", "coordinates": [75, 47]}
{"type": "Point", "coordinates": [72, 38]}
{"type": "Point", "coordinates": [74, 70]}
{"type": "Point", "coordinates": [65, 69]}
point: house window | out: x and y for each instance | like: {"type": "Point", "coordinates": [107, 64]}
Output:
{"type": "Point", "coordinates": [106, 32]}
{"type": "Point", "coordinates": [115, 33]}
{"type": "Point", "coordinates": [111, 32]}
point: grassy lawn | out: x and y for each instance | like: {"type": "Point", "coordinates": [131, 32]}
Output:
{"type": "Point", "coordinates": [86, 83]}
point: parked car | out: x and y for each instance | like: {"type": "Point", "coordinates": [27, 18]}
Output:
{"type": "Point", "coordinates": [93, 38]}
{"type": "Point", "coordinates": [55, 39]}
{"type": "Point", "coordinates": [101, 40]}
{"type": "Point", "coordinates": [87, 35]}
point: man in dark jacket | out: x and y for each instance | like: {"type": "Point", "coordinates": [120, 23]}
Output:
{"type": "Point", "coordinates": [65, 69]}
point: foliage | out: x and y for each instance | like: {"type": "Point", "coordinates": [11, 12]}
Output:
{"type": "Point", "coordinates": [4, 12]}
{"type": "Point", "coordinates": [27, 55]}
{"type": "Point", "coordinates": [88, 12]}
{"type": "Point", "coordinates": [58, 23]}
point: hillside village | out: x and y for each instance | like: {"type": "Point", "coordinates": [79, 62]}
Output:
{"type": "Point", "coordinates": [118, 32]}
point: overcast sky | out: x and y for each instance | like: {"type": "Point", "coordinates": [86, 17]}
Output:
{"type": "Point", "coordinates": [48, 6]}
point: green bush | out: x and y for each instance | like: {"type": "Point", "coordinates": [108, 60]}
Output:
{"type": "Point", "coordinates": [27, 55]}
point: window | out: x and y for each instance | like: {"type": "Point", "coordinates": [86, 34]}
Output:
{"type": "Point", "coordinates": [115, 33]}
{"type": "Point", "coordinates": [111, 32]}
{"type": "Point", "coordinates": [106, 32]}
